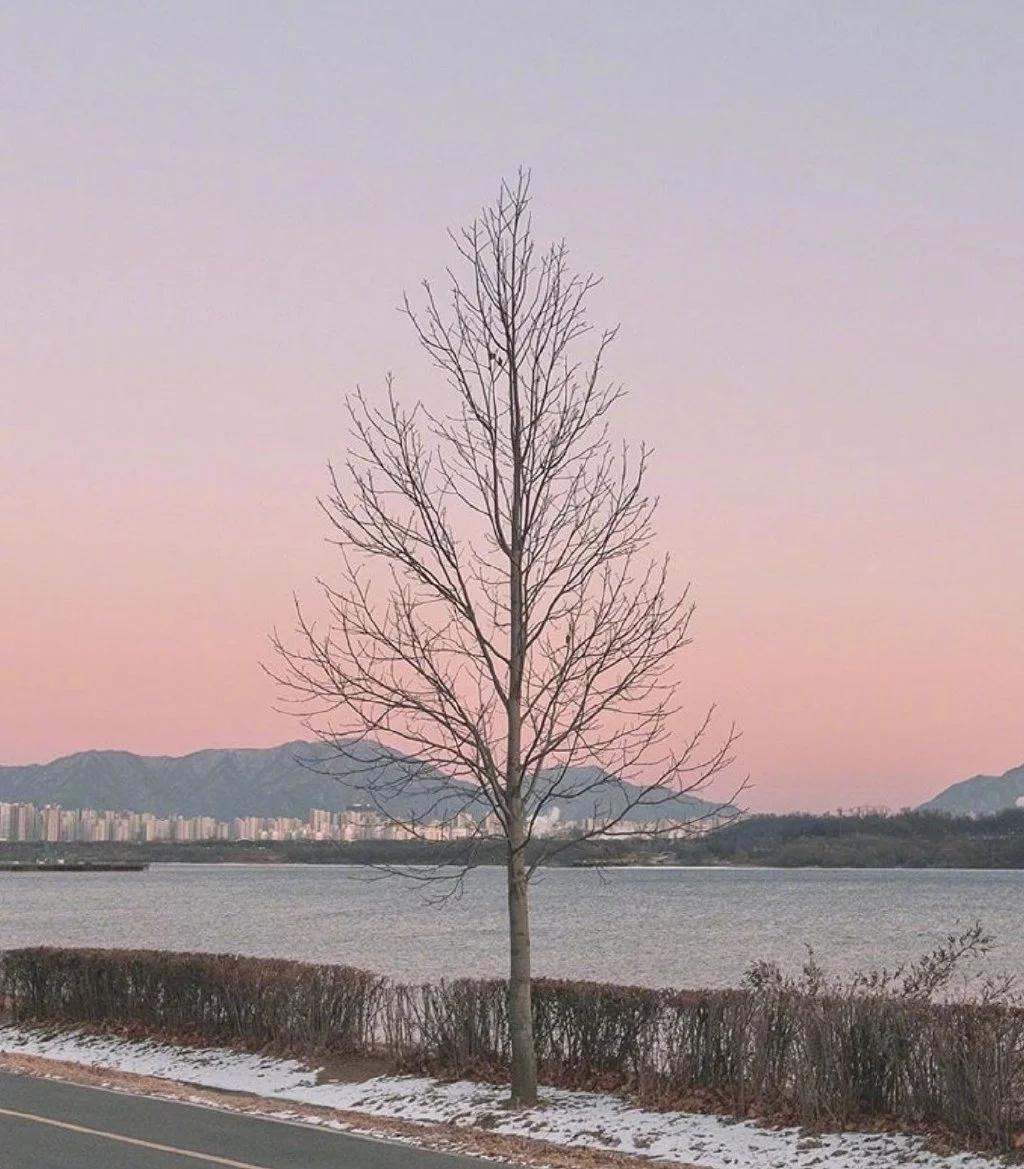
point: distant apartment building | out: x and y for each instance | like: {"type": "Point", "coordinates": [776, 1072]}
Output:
{"type": "Point", "coordinates": [321, 823]}
{"type": "Point", "coordinates": [53, 824]}
{"type": "Point", "coordinates": [20, 822]}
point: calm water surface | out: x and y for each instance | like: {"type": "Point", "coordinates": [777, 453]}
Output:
{"type": "Point", "coordinates": [660, 927]}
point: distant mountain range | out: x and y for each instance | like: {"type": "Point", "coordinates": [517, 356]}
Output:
{"type": "Point", "coordinates": [273, 781]}
{"type": "Point", "coordinates": [981, 795]}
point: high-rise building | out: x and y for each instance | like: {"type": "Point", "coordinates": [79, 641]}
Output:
{"type": "Point", "coordinates": [49, 824]}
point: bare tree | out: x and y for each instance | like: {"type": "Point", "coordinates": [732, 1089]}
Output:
{"type": "Point", "coordinates": [495, 617]}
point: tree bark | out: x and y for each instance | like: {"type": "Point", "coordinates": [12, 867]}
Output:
{"type": "Point", "coordinates": [520, 1006]}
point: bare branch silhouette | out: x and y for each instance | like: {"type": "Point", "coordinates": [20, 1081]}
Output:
{"type": "Point", "coordinates": [495, 617]}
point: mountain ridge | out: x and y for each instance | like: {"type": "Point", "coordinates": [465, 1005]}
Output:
{"type": "Point", "coordinates": [226, 782]}
{"type": "Point", "coordinates": [980, 795]}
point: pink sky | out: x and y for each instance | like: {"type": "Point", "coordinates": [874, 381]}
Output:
{"type": "Point", "coordinates": [808, 217]}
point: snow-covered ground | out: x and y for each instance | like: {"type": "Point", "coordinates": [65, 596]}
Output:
{"type": "Point", "coordinates": [582, 1119]}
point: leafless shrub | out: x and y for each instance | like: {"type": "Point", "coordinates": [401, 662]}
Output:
{"type": "Point", "coordinates": [810, 1049]}
{"type": "Point", "coordinates": [217, 998]}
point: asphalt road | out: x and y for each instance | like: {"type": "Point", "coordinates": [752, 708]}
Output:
{"type": "Point", "coordinates": [49, 1125]}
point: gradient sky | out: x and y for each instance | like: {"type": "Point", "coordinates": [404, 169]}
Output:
{"type": "Point", "coordinates": [810, 220]}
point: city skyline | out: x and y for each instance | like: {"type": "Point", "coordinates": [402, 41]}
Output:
{"type": "Point", "coordinates": [808, 226]}
{"type": "Point", "coordinates": [26, 821]}
{"type": "Point", "coordinates": [29, 822]}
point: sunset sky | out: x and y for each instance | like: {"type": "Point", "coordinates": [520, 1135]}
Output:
{"type": "Point", "coordinates": [810, 222]}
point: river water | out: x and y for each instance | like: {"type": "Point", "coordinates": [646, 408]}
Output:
{"type": "Point", "coordinates": [657, 927]}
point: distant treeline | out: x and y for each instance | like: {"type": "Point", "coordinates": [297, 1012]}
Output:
{"type": "Point", "coordinates": [870, 840]}
{"type": "Point", "coordinates": [866, 840]}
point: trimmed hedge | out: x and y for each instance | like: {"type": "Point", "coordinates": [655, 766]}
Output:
{"type": "Point", "coordinates": [217, 998]}
{"type": "Point", "coordinates": [822, 1059]}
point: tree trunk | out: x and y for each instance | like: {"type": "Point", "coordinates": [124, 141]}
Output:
{"type": "Point", "coordinates": [520, 1008]}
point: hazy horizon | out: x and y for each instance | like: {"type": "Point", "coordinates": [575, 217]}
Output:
{"type": "Point", "coordinates": [807, 217]}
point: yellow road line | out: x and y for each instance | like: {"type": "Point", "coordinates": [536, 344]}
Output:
{"type": "Point", "coordinates": [209, 1158]}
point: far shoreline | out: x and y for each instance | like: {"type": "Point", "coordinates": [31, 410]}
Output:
{"type": "Point", "coordinates": [140, 862]}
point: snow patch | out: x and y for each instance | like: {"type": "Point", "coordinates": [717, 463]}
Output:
{"type": "Point", "coordinates": [582, 1119]}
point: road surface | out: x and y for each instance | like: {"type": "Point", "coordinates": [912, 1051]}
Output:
{"type": "Point", "coordinates": [50, 1125]}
